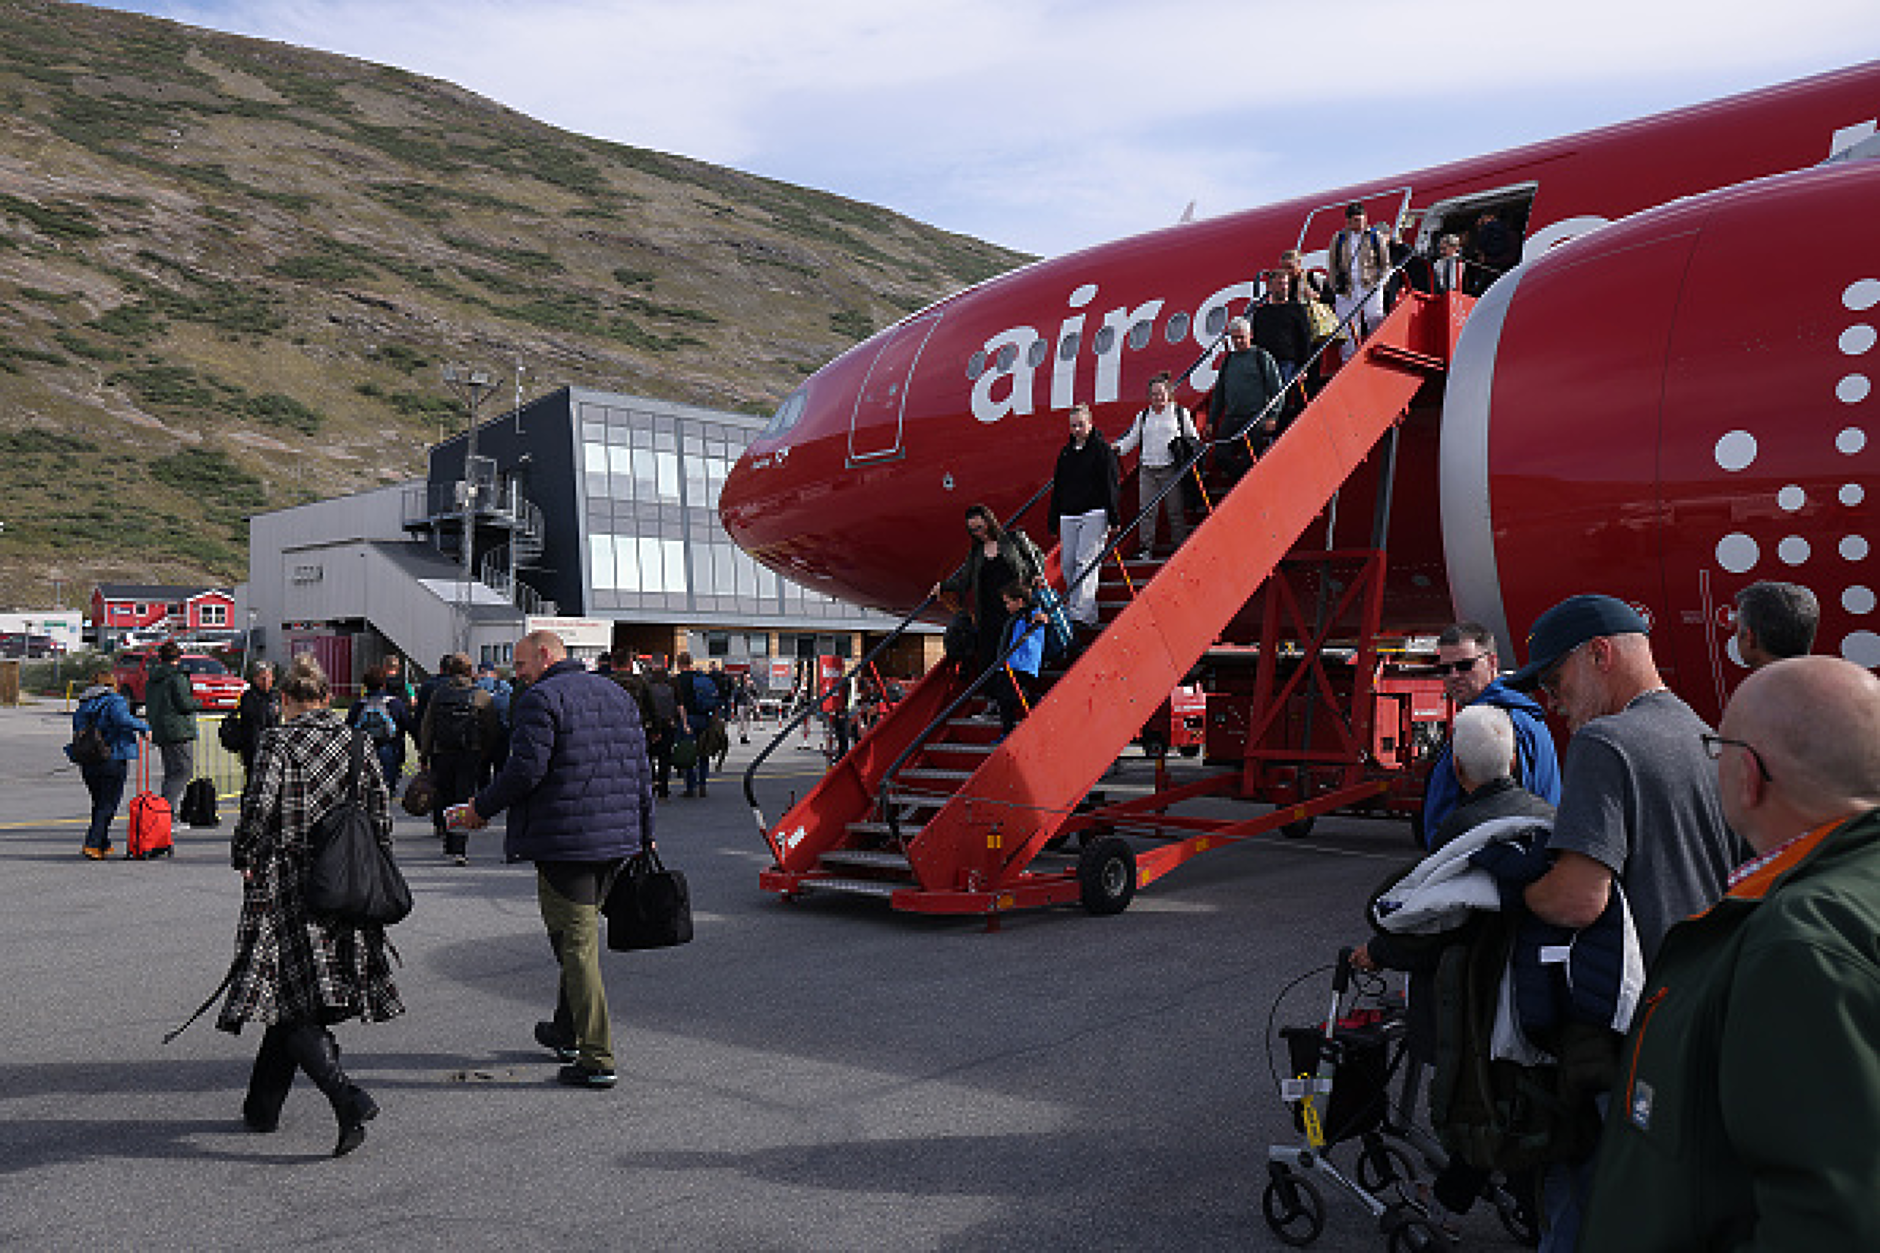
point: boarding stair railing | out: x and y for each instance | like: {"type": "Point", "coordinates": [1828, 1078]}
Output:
{"type": "Point", "coordinates": [999, 805]}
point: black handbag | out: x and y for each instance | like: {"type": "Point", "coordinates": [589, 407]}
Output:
{"type": "Point", "coordinates": [648, 906]}
{"type": "Point", "coordinates": [1182, 449]}
{"type": "Point", "coordinates": [350, 878]}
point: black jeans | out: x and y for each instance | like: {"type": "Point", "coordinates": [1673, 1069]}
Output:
{"type": "Point", "coordinates": [105, 782]}
{"type": "Point", "coordinates": [456, 778]}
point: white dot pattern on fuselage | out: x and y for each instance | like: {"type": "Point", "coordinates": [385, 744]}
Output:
{"type": "Point", "coordinates": [1736, 451]}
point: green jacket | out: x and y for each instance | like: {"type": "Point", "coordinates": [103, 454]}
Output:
{"type": "Point", "coordinates": [169, 704]}
{"type": "Point", "coordinates": [1747, 1116]}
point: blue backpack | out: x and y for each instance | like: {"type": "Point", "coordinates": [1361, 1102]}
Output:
{"type": "Point", "coordinates": [704, 694]}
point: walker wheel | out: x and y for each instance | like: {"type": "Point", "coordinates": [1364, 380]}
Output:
{"type": "Point", "coordinates": [1416, 1234]}
{"type": "Point", "coordinates": [1383, 1166]}
{"type": "Point", "coordinates": [1294, 1209]}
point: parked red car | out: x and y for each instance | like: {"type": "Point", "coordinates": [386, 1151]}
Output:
{"type": "Point", "coordinates": [215, 688]}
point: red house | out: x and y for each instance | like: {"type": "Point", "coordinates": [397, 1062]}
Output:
{"type": "Point", "coordinates": [120, 607]}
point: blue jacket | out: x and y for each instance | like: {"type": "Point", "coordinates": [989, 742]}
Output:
{"type": "Point", "coordinates": [1537, 768]}
{"type": "Point", "coordinates": [1029, 653]}
{"type": "Point", "coordinates": [115, 722]}
{"type": "Point", "coordinates": [576, 785]}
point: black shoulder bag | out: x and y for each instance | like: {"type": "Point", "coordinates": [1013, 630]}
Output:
{"type": "Point", "coordinates": [350, 878]}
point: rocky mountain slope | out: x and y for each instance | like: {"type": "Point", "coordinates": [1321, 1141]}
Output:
{"type": "Point", "coordinates": [231, 269]}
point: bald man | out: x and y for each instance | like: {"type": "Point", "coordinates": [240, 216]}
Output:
{"type": "Point", "coordinates": [1751, 1101]}
{"type": "Point", "coordinates": [579, 794]}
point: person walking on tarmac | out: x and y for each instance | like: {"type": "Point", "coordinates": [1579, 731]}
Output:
{"type": "Point", "coordinates": [294, 973]}
{"type": "Point", "coordinates": [459, 730]}
{"type": "Point", "coordinates": [170, 704]}
{"type": "Point", "coordinates": [698, 695]}
{"type": "Point", "coordinates": [104, 708]}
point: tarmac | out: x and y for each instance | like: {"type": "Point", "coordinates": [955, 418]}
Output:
{"type": "Point", "coordinates": [824, 1074]}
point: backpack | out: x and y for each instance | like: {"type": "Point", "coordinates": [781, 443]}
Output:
{"type": "Point", "coordinates": [375, 719]}
{"type": "Point", "coordinates": [454, 723]}
{"type": "Point", "coordinates": [198, 809]}
{"type": "Point", "coordinates": [89, 747]}
{"type": "Point", "coordinates": [232, 732]}
{"type": "Point", "coordinates": [665, 704]}
{"type": "Point", "coordinates": [704, 694]}
{"type": "Point", "coordinates": [1497, 1114]}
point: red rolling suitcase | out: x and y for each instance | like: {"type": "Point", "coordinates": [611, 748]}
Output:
{"type": "Point", "coordinates": [149, 834]}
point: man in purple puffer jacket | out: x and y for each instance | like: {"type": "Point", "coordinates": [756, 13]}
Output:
{"type": "Point", "coordinates": [580, 799]}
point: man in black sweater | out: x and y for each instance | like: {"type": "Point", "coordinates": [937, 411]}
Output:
{"type": "Point", "coordinates": [1083, 509]}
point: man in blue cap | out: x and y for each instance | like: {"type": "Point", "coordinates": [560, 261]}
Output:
{"type": "Point", "coordinates": [1638, 801]}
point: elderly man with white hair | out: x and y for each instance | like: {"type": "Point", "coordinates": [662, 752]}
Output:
{"type": "Point", "coordinates": [1482, 757]}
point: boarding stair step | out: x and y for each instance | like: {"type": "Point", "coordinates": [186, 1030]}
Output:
{"type": "Point", "coordinates": [867, 858]}
{"type": "Point", "coordinates": [855, 887]}
{"type": "Point", "coordinates": [934, 774]}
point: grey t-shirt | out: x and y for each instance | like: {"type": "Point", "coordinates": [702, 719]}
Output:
{"type": "Point", "coordinates": [1638, 794]}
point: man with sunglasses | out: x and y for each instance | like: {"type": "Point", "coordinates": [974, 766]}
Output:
{"type": "Point", "coordinates": [1750, 1085]}
{"type": "Point", "coordinates": [1471, 674]}
{"type": "Point", "coordinates": [1638, 803]}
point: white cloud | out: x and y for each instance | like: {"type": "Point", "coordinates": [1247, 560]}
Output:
{"type": "Point", "coordinates": [1048, 125]}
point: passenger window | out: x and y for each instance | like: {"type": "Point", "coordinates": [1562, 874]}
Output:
{"type": "Point", "coordinates": [1067, 347]}
{"type": "Point", "coordinates": [1177, 328]}
{"type": "Point", "coordinates": [975, 366]}
{"type": "Point", "coordinates": [1106, 340]}
{"type": "Point", "coordinates": [1139, 335]}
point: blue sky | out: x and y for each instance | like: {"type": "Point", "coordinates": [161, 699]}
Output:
{"type": "Point", "coordinates": [1049, 126]}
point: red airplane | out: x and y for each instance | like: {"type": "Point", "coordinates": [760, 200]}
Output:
{"type": "Point", "coordinates": [1668, 400]}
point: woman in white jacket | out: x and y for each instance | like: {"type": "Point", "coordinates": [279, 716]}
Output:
{"type": "Point", "coordinates": [1153, 431]}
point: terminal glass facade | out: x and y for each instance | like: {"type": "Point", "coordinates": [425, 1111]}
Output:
{"type": "Point", "coordinates": [650, 478]}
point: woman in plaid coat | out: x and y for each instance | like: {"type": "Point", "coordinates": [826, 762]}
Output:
{"type": "Point", "coordinates": [294, 972]}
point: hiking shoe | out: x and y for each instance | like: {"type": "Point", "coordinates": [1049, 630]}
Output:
{"type": "Point", "coordinates": [95, 854]}
{"type": "Point", "coordinates": [578, 1076]}
{"type": "Point", "coordinates": [458, 859]}
{"type": "Point", "coordinates": [560, 1045]}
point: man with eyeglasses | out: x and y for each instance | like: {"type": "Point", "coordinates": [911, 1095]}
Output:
{"type": "Point", "coordinates": [1638, 803]}
{"type": "Point", "coordinates": [1751, 1082]}
{"type": "Point", "coordinates": [1470, 670]}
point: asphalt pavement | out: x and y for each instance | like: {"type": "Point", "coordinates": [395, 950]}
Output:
{"type": "Point", "coordinates": [825, 1074]}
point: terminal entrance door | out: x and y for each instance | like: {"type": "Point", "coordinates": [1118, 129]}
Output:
{"type": "Point", "coordinates": [875, 428]}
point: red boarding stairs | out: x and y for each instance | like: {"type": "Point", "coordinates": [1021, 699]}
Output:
{"type": "Point", "coordinates": [927, 812]}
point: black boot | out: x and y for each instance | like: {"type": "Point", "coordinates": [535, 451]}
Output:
{"type": "Point", "coordinates": [269, 1081]}
{"type": "Point", "coordinates": [317, 1053]}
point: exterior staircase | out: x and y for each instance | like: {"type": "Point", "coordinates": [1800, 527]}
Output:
{"type": "Point", "coordinates": [928, 813]}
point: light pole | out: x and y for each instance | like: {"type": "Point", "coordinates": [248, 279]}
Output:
{"type": "Point", "coordinates": [471, 387]}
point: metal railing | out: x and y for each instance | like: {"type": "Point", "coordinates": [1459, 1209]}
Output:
{"type": "Point", "coordinates": [815, 703]}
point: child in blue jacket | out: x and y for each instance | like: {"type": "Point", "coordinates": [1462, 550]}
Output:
{"type": "Point", "coordinates": [1024, 636]}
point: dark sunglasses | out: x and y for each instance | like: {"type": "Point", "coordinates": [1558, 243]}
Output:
{"type": "Point", "coordinates": [1456, 667]}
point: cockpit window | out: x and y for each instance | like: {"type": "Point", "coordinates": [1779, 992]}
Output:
{"type": "Point", "coordinates": [787, 415]}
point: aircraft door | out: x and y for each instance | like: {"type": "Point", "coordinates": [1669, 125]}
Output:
{"type": "Point", "coordinates": [881, 405]}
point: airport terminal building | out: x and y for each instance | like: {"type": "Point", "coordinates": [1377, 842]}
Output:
{"type": "Point", "coordinates": [590, 512]}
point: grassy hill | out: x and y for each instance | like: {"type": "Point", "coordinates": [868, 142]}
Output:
{"type": "Point", "coordinates": [230, 270]}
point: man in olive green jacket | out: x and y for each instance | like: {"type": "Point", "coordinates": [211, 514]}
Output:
{"type": "Point", "coordinates": [170, 707]}
{"type": "Point", "coordinates": [1749, 1089]}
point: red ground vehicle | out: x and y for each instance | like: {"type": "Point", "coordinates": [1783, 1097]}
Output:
{"type": "Point", "coordinates": [216, 689]}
